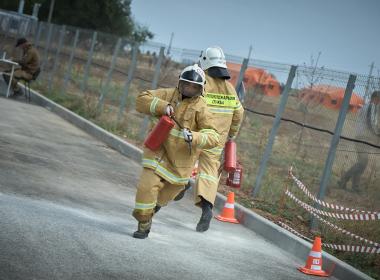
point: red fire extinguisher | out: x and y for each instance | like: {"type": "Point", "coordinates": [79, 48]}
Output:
{"type": "Point", "coordinates": [159, 133]}
{"type": "Point", "coordinates": [230, 156]}
{"type": "Point", "coordinates": [235, 177]}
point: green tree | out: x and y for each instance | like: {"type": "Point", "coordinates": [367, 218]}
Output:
{"type": "Point", "coordinates": [111, 16]}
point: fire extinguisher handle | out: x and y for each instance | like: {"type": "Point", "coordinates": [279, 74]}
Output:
{"type": "Point", "coordinates": [181, 127]}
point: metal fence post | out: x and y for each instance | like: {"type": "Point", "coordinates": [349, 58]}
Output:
{"type": "Point", "coordinates": [89, 61]}
{"type": "Point", "coordinates": [273, 133]}
{"type": "Point", "coordinates": [38, 34]}
{"type": "Point", "coordinates": [3, 18]}
{"type": "Point", "coordinates": [366, 91]}
{"type": "Point", "coordinates": [9, 27]}
{"type": "Point", "coordinates": [156, 76]}
{"type": "Point", "coordinates": [6, 31]}
{"type": "Point", "coordinates": [29, 28]}
{"type": "Point", "coordinates": [131, 70]}
{"type": "Point", "coordinates": [334, 143]}
{"type": "Point", "coordinates": [239, 82]}
{"type": "Point", "coordinates": [55, 66]}
{"type": "Point", "coordinates": [157, 69]}
{"type": "Point", "coordinates": [25, 30]}
{"type": "Point", "coordinates": [47, 46]}
{"type": "Point", "coordinates": [37, 28]}
{"type": "Point", "coordinates": [19, 28]}
{"type": "Point", "coordinates": [6, 27]}
{"type": "Point", "coordinates": [70, 64]}
{"type": "Point", "coordinates": [104, 89]}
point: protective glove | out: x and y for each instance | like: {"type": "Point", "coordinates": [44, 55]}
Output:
{"type": "Point", "coordinates": [188, 135]}
{"type": "Point", "coordinates": [230, 138]}
{"type": "Point", "coordinates": [169, 111]}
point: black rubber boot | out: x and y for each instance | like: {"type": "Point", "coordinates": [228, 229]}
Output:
{"type": "Point", "coordinates": [204, 222]}
{"type": "Point", "coordinates": [142, 230]}
{"type": "Point", "coordinates": [157, 208]}
{"type": "Point", "coordinates": [182, 193]}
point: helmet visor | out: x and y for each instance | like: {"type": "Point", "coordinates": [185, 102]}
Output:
{"type": "Point", "coordinates": [192, 76]}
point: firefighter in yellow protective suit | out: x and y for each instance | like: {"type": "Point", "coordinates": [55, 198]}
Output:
{"type": "Point", "coordinates": [227, 112]}
{"type": "Point", "coordinates": [167, 170]}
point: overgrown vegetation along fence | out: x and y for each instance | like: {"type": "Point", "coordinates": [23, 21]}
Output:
{"type": "Point", "coordinates": [98, 76]}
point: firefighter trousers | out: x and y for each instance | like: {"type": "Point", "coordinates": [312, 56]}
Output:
{"type": "Point", "coordinates": [152, 190]}
{"type": "Point", "coordinates": [208, 177]}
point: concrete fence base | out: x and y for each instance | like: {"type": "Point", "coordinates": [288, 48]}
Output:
{"type": "Point", "coordinates": [269, 230]}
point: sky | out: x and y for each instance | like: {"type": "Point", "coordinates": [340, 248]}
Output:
{"type": "Point", "coordinates": [346, 32]}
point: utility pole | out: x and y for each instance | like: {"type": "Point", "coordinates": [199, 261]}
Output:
{"type": "Point", "coordinates": [52, 2]}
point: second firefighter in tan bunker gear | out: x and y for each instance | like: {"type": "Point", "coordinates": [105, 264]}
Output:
{"type": "Point", "coordinates": [167, 170]}
{"type": "Point", "coordinates": [227, 112]}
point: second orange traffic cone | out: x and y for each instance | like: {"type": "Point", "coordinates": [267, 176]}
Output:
{"type": "Point", "coordinates": [228, 212]}
{"type": "Point", "coordinates": [314, 260]}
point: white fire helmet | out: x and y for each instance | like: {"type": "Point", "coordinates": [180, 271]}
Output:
{"type": "Point", "coordinates": [212, 57]}
{"type": "Point", "coordinates": [193, 74]}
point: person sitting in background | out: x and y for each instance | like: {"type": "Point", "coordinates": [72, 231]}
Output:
{"type": "Point", "coordinates": [30, 65]}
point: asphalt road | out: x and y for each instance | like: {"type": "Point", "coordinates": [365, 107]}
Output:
{"type": "Point", "coordinates": [65, 213]}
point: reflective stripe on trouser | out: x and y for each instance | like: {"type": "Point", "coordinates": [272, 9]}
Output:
{"type": "Point", "coordinates": [152, 190]}
{"type": "Point", "coordinates": [208, 177]}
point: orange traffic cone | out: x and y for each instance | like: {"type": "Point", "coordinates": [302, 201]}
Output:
{"type": "Point", "coordinates": [314, 260]}
{"type": "Point", "coordinates": [228, 212]}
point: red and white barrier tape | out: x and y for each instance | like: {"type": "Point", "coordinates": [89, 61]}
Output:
{"type": "Point", "coordinates": [285, 226]}
{"type": "Point", "coordinates": [346, 248]}
{"type": "Point", "coordinates": [366, 216]}
{"type": "Point", "coordinates": [309, 209]}
{"type": "Point", "coordinates": [342, 216]}
{"type": "Point", "coordinates": [354, 248]}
